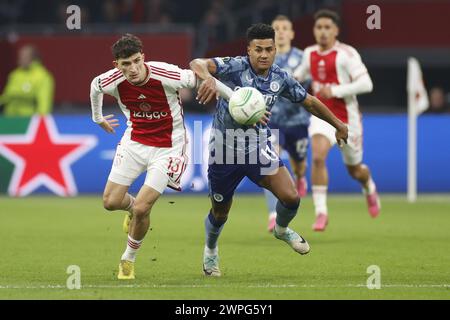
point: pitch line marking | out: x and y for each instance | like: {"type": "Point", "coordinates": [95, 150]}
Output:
{"type": "Point", "coordinates": [160, 286]}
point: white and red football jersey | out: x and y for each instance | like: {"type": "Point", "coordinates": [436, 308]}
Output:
{"type": "Point", "coordinates": [338, 67]}
{"type": "Point", "coordinates": [153, 109]}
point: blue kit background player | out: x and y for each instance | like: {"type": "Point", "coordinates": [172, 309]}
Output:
{"type": "Point", "coordinates": [291, 121]}
{"type": "Point", "coordinates": [255, 70]}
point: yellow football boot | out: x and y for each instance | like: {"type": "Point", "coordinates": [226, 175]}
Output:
{"type": "Point", "coordinates": [126, 223]}
{"type": "Point", "coordinates": [126, 270]}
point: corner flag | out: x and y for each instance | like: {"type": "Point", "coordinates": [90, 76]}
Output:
{"type": "Point", "coordinates": [417, 103]}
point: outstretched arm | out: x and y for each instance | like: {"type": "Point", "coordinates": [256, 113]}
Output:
{"type": "Point", "coordinates": [204, 69]}
{"type": "Point", "coordinates": [209, 86]}
{"type": "Point", "coordinates": [317, 108]}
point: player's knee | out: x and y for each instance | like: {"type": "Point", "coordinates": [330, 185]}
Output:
{"type": "Point", "coordinates": [318, 161]}
{"type": "Point", "coordinates": [220, 214]}
{"type": "Point", "coordinates": [290, 199]}
{"type": "Point", "coordinates": [141, 211]}
{"type": "Point", "coordinates": [356, 172]}
{"type": "Point", "coordinates": [109, 203]}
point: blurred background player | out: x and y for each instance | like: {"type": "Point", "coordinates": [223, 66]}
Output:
{"type": "Point", "coordinates": [154, 141]}
{"type": "Point", "coordinates": [255, 70]}
{"type": "Point", "coordinates": [338, 75]}
{"type": "Point", "coordinates": [30, 87]}
{"type": "Point", "coordinates": [290, 120]}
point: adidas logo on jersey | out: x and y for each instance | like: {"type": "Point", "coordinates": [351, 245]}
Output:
{"type": "Point", "coordinates": [141, 96]}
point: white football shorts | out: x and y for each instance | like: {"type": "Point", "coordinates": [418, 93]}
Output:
{"type": "Point", "coordinates": [164, 166]}
{"type": "Point", "coordinates": [352, 152]}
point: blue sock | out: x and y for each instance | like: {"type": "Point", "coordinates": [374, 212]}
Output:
{"type": "Point", "coordinates": [286, 214]}
{"type": "Point", "coordinates": [271, 201]}
{"type": "Point", "coordinates": [213, 229]}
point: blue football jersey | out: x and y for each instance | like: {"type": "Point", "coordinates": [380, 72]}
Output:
{"type": "Point", "coordinates": [284, 112]}
{"type": "Point", "coordinates": [237, 72]}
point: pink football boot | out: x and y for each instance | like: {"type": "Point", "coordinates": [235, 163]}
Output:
{"type": "Point", "coordinates": [321, 222]}
{"type": "Point", "coordinates": [302, 187]}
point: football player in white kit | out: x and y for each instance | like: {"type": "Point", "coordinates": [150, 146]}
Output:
{"type": "Point", "coordinates": [154, 141]}
{"type": "Point", "coordinates": [338, 75]}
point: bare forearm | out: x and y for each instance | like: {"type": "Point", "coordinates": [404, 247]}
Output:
{"type": "Point", "coordinates": [200, 67]}
{"type": "Point", "coordinates": [317, 108]}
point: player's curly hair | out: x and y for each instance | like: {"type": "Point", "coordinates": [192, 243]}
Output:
{"type": "Point", "coordinates": [126, 46]}
{"type": "Point", "coordinates": [260, 31]}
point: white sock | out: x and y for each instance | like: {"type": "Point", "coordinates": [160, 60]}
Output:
{"type": "Point", "coordinates": [319, 194]}
{"type": "Point", "coordinates": [211, 252]}
{"type": "Point", "coordinates": [131, 250]}
{"type": "Point", "coordinates": [279, 229]}
{"type": "Point", "coordinates": [371, 188]}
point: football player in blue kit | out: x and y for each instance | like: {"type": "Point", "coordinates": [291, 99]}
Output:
{"type": "Point", "coordinates": [291, 121]}
{"type": "Point", "coordinates": [230, 141]}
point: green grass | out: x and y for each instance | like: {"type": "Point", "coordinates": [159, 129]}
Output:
{"type": "Point", "coordinates": [41, 236]}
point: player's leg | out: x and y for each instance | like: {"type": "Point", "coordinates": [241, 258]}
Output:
{"type": "Point", "coordinates": [362, 174]}
{"type": "Point", "coordinates": [320, 147]}
{"type": "Point", "coordinates": [223, 180]}
{"type": "Point", "coordinates": [299, 169]}
{"type": "Point", "coordinates": [280, 183]}
{"type": "Point", "coordinates": [154, 186]}
{"type": "Point", "coordinates": [297, 146]}
{"type": "Point", "coordinates": [116, 197]}
{"type": "Point", "coordinates": [271, 202]}
{"type": "Point", "coordinates": [322, 136]}
{"type": "Point", "coordinates": [277, 141]}
{"type": "Point", "coordinates": [352, 155]}
{"type": "Point", "coordinates": [127, 166]}
{"type": "Point", "coordinates": [214, 223]}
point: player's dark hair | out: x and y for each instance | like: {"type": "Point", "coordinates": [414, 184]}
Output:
{"type": "Point", "coordinates": [260, 31]}
{"type": "Point", "coordinates": [326, 13]}
{"type": "Point", "coordinates": [126, 46]}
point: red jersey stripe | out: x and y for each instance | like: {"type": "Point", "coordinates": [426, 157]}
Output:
{"type": "Point", "coordinates": [165, 75]}
{"type": "Point", "coordinates": [111, 76]}
{"type": "Point", "coordinates": [111, 80]}
{"type": "Point", "coordinates": [165, 70]}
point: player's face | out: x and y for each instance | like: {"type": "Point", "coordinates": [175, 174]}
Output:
{"type": "Point", "coordinates": [325, 32]}
{"type": "Point", "coordinates": [284, 33]}
{"type": "Point", "coordinates": [261, 53]}
{"type": "Point", "coordinates": [133, 68]}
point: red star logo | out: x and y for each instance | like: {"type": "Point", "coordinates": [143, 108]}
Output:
{"type": "Point", "coordinates": [42, 157]}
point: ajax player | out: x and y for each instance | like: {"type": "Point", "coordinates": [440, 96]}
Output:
{"type": "Point", "coordinates": [254, 70]}
{"type": "Point", "coordinates": [154, 141]}
{"type": "Point", "coordinates": [338, 75]}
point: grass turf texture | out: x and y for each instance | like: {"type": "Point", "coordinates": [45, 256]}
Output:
{"type": "Point", "coordinates": [41, 236]}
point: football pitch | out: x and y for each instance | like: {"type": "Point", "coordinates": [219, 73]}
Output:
{"type": "Point", "coordinates": [40, 237]}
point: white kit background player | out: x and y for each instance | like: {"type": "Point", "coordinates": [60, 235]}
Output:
{"type": "Point", "coordinates": [154, 141]}
{"type": "Point", "coordinates": [338, 75]}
